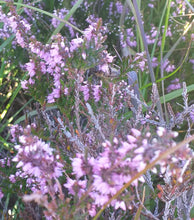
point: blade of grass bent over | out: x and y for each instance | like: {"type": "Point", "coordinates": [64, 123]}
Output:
{"type": "Point", "coordinates": [6, 42]}
{"type": "Point", "coordinates": [171, 74]}
{"type": "Point", "coordinates": [14, 94]}
{"type": "Point", "coordinates": [71, 12]}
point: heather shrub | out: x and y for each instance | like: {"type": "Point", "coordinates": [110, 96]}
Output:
{"type": "Point", "coordinates": [101, 138]}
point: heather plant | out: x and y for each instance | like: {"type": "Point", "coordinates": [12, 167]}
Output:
{"type": "Point", "coordinates": [94, 146]}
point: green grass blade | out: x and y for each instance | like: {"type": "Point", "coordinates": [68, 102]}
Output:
{"type": "Point", "coordinates": [71, 12]}
{"type": "Point", "coordinates": [171, 74]}
{"type": "Point", "coordinates": [158, 31]}
{"type": "Point", "coordinates": [32, 113]}
{"type": "Point", "coordinates": [14, 94]}
{"type": "Point", "coordinates": [6, 42]}
{"type": "Point", "coordinates": [12, 117]}
{"type": "Point", "coordinates": [176, 94]}
{"type": "Point", "coordinates": [2, 75]}
{"type": "Point", "coordinates": [164, 35]}
{"type": "Point", "coordinates": [5, 143]}
{"type": "Point", "coordinates": [169, 53]}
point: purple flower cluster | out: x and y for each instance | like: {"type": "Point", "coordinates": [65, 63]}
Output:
{"type": "Point", "coordinates": [53, 61]}
{"type": "Point", "coordinates": [94, 89]}
{"type": "Point", "coordinates": [116, 165]}
{"type": "Point", "coordinates": [175, 84]}
{"type": "Point", "coordinates": [128, 39]}
{"type": "Point", "coordinates": [167, 66]}
{"type": "Point", "coordinates": [1, 194]}
{"type": "Point", "coordinates": [37, 161]}
{"type": "Point", "coordinates": [11, 25]}
{"type": "Point", "coordinates": [61, 14]}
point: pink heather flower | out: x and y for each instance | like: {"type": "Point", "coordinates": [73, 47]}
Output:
{"type": "Point", "coordinates": [56, 93]}
{"type": "Point", "coordinates": [96, 92]}
{"type": "Point", "coordinates": [92, 210]}
{"type": "Point", "coordinates": [120, 204]}
{"type": "Point", "coordinates": [54, 51]}
{"type": "Point", "coordinates": [77, 166]}
{"type": "Point", "coordinates": [69, 185]}
{"type": "Point", "coordinates": [88, 32]}
{"type": "Point", "coordinates": [174, 85]}
{"type": "Point", "coordinates": [66, 90]}
{"type": "Point", "coordinates": [119, 7]}
{"type": "Point", "coordinates": [170, 68]}
{"type": "Point", "coordinates": [104, 161]}
{"type": "Point", "coordinates": [191, 114]}
{"type": "Point", "coordinates": [1, 194]}
{"type": "Point", "coordinates": [160, 131]}
{"type": "Point", "coordinates": [36, 159]}
{"type": "Point", "coordinates": [135, 132]}
{"type": "Point", "coordinates": [154, 62]}
{"type": "Point", "coordinates": [23, 84]}
{"type": "Point", "coordinates": [192, 61]}
{"type": "Point", "coordinates": [85, 90]}
{"type": "Point", "coordinates": [50, 99]}
{"type": "Point", "coordinates": [99, 199]}
{"type": "Point", "coordinates": [150, 5]}
{"type": "Point", "coordinates": [109, 58]}
{"type": "Point", "coordinates": [15, 130]}
{"type": "Point", "coordinates": [142, 65]}
{"type": "Point", "coordinates": [20, 39]}
{"type": "Point", "coordinates": [131, 139]}
{"type": "Point", "coordinates": [31, 81]}
{"type": "Point", "coordinates": [104, 68]}
{"type": "Point", "coordinates": [30, 67]}
{"type": "Point", "coordinates": [84, 55]}
{"type": "Point", "coordinates": [110, 8]}
{"type": "Point", "coordinates": [12, 178]}
{"type": "Point", "coordinates": [76, 43]}
{"type": "Point", "coordinates": [13, 23]}
{"type": "Point", "coordinates": [167, 66]}
{"type": "Point", "coordinates": [76, 187]}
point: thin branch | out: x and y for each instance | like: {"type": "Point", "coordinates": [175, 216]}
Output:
{"type": "Point", "coordinates": [140, 24]}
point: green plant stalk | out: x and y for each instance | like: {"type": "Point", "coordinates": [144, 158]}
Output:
{"type": "Point", "coordinates": [18, 6]}
{"type": "Point", "coordinates": [178, 41]}
{"type": "Point", "coordinates": [154, 46]}
{"type": "Point", "coordinates": [16, 91]}
{"type": "Point", "coordinates": [138, 213]}
{"type": "Point", "coordinates": [6, 42]}
{"type": "Point", "coordinates": [46, 13]}
{"type": "Point", "coordinates": [162, 156]}
{"type": "Point", "coordinates": [2, 75]}
{"type": "Point", "coordinates": [5, 143]}
{"type": "Point", "coordinates": [171, 74]}
{"type": "Point", "coordinates": [12, 117]}
{"type": "Point", "coordinates": [140, 24]}
{"type": "Point", "coordinates": [164, 35]}
{"type": "Point", "coordinates": [161, 56]}
{"type": "Point", "coordinates": [158, 31]}
{"type": "Point", "coordinates": [71, 12]}
{"type": "Point", "coordinates": [138, 35]}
